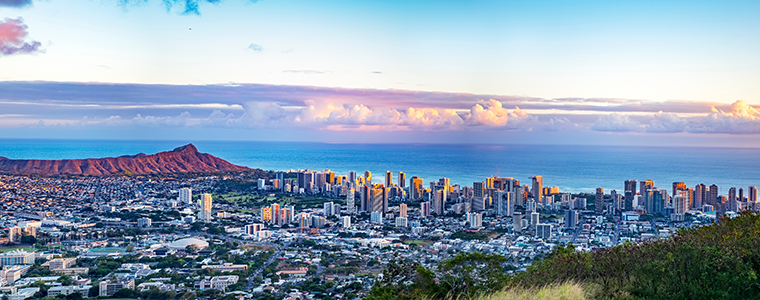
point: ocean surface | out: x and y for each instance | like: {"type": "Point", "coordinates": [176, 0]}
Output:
{"type": "Point", "coordinates": [571, 168]}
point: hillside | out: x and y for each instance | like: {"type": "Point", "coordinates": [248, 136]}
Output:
{"type": "Point", "coordinates": [717, 261]}
{"type": "Point", "coordinates": [180, 160]}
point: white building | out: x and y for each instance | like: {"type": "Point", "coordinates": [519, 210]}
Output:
{"type": "Point", "coordinates": [346, 221]}
{"type": "Point", "coordinates": [376, 217]}
{"type": "Point", "coordinates": [402, 222]}
{"type": "Point", "coordinates": [185, 195]}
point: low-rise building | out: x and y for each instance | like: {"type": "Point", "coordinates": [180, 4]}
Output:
{"type": "Point", "coordinates": [69, 289]}
{"type": "Point", "coordinates": [217, 282]}
{"type": "Point", "coordinates": [16, 257]}
{"type": "Point", "coordinates": [23, 294]}
{"type": "Point", "coordinates": [226, 267]}
{"type": "Point", "coordinates": [108, 287]}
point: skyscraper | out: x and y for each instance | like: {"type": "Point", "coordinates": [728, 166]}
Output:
{"type": "Point", "coordinates": [679, 208]}
{"type": "Point", "coordinates": [504, 203]}
{"type": "Point", "coordinates": [367, 178]}
{"type": "Point", "coordinates": [478, 189]}
{"type": "Point", "coordinates": [185, 195]}
{"type": "Point", "coordinates": [538, 186]}
{"type": "Point", "coordinates": [645, 185]}
{"type": "Point", "coordinates": [328, 209]}
{"type": "Point", "coordinates": [402, 179]}
{"type": "Point", "coordinates": [415, 187]}
{"type": "Point", "coordinates": [731, 202]}
{"type": "Point", "coordinates": [388, 179]}
{"type": "Point", "coordinates": [350, 205]}
{"type": "Point", "coordinates": [275, 213]}
{"type": "Point", "coordinates": [678, 186]}
{"type": "Point", "coordinates": [571, 218]}
{"type": "Point", "coordinates": [402, 210]}
{"type": "Point", "coordinates": [352, 179]}
{"type": "Point", "coordinates": [630, 185]}
{"type": "Point", "coordinates": [425, 209]}
{"type": "Point", "coordinates": [752, 194]}
{"type": "Point", "coordinates": [379, 198]}
{"type": "Point", "coordinates": [700, 196]}
{"type": "Point", "coordinates": [475, 220]}
{"type": "Point", "coordinates": [713, 195]}
{"type": "Point", "coordinates": [517, 222]}
{"type": "Point", "coordinates": [534, 217]}
{"type": "Point", "coordinates": [599, 201]}
{"type": "Point", "coordinates": [438, 202]}
{"type": "Point", "coordinates": [205, 208]}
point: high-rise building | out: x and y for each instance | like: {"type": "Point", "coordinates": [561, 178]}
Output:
{"type": "Point", "coordinates": [504, 203]}
{"type": "Point", "coordinates": [402, 210]}
{"type": "Point", "coordinates": [275, 213]}
{"type": "Point", "coordinates": [185, 195]}
{"type": "Point", "coordinates": [328, 209]}
{"type": "Point", "coordinates": [519, 195]}
{"type": "Point", "coordinates": [731, 202]}
{"type": "Point", "coordinates": [266, 214]}
{"type": "Point", "coordinates": [379, 198]}
{"type": "Point", "coordinates": [630, 185]}
{"type": "Point", "coordinates": [402, 179]}
{"type": "Point", "coordinates": [680, 204]}
{"type": "Point", "coordinates": [444, 184]}
{"type": "Point", "coordinates": [346, 221]}
{"type": "Point", "coordinates": [388, 179]}
{"type": "Point", "coordinates": [376, 217]}
{"type": "Point", "coordinates": [252, 229]}
{"type": "Point", "coordinates": [599, 201]}
{"type": "Point", "coordinates": [478, 189]}
{"type": "Point", "coordinates": [438, 202]}
{"type": "Point", "coordinates": [644, 185]}
{"type": "Point", "coordinates": [477, 204]}
{"type": "Point", "coordinates": [352, 179]}
{"type": "Point", "coordinates": [415, 187]}
{"type": "Point", "coordinates": [517, 222]}
{"type": "Point", "coordinates": [402, 222]}
{"type": "Point", "coordinates": [534, 217]}
{"type": "Point", "coordinates": [544, 231]}
{"type": "Point", "coordinates": [204, 203]}
{"type": "Point", "coordinates": [712, 197]}
{"type": "Point", "coordinates": [656, 200]}
{"type": "Point", "coordinates": [350, 205]}
{"type": "Point", "coordinates": [475, 220]}
{"type": "Point", "coordinates": [367, 178]}
{"type": "Point", "coordinates": [752, 194]}
{"type": "Point", "coordinates": [700, 196]}
{"type": "Point", "coordinates": [538, 185]}
{"type": "Point", "coordinates": [571, 218]}
{"type": "Point", "coordinates": [425, 209]}
{"type": "Point", "coordinates": [280, 176]}
{"type": "Point", "coordinates": [678, 186]}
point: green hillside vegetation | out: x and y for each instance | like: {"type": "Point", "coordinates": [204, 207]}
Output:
{"type": "Point", "coordinates": [718, 261]}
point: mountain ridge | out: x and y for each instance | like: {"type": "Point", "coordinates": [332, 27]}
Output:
{"type": "Point", "coordinates": [184, 159]}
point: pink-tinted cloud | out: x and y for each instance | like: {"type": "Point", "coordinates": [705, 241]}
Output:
{"type": "Point", "coordinates": [740, 118]}
{"type": "Point", "coordinates": [13, 38]}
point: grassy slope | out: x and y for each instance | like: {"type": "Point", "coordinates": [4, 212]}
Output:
{"type": "Point", "coordinates": [565, 291]}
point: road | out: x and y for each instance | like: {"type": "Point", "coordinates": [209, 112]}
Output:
{"type": "Point", "coordinates": [271, 260]}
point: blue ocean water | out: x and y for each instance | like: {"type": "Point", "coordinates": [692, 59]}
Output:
{"type": "Point", "coordinates": [571, 168]}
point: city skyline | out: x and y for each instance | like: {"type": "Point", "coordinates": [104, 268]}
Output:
{"type": "Point", "coordinates": [624, 73]}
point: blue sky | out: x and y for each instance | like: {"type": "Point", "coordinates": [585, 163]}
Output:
{"type": "Point", "coordinates": [613, 72]}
